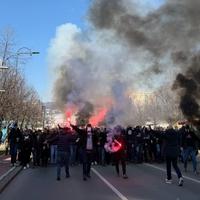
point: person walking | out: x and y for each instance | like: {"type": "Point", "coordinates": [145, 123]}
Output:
{"type": "Point", "coordinates": [116, 145]}
{"type": "Point", "coordinates": [189, 145]}
{"type": "Point", "coordinates": [172, 149]}
{"type": "Point", "coordinates": [63, 140]}
{"type": "Point", "coordinates": [26, 147]}
{"type": "Point", "coordinates": [13, 140]}
{"type": "Point", "coordinates": [86, 141]}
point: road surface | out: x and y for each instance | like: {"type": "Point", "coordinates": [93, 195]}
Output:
{"type": "Point", "coordinates": [145, 182]}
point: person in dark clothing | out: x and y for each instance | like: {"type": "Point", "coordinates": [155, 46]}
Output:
{"type": "Point", "coordinates": [120, 155]}
{"type": "Point", "coordinates": [172, 149]}
{"type": "Point", "coordinates": [139, 144]}
{"type": "Point", "coordinates": [36, 150]}
{"type": "Point", "coordinates": [86, 141]}
{"type": "Point", "coordinates": [147, 144]}
{"type": "Point", "coordinates": [26, 148]}
{"type": "Point", "coordinates": [1, 134]}
{"type": "Point", "coordinates": [130, 143]}
{"type": "Point", "coordinates": [101, 140]}
{"type": "Point", "coordinates": [44, 148]}
{"type": "Point", "coordinates": [116, 145]}
{"type": "Point", "coordinates": [189, 143]}
{"type": "Point", "coordinates": [63, 140]}
{"type": "Point", "coordinates": [13, 139]}
{"type": "Point", "coordinates": [45, 153]}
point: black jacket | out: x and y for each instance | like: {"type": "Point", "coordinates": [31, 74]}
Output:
{"type": "Point", "coordinates": [82, 137]}
{"type": "Point", "coordinates": [172, 143]}
{"type": "Point", "coordinates": [63, 140]}
{"type": "Point", "coordinates": [189, 139]}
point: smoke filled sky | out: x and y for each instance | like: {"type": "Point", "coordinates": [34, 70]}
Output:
{"type": "Point", "coordinates": [127, 46]}
{"type": "Point", "coordinates": [35, 23]}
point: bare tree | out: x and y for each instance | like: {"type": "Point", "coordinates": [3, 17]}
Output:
{"type": "Point", "coordinates": [19, 102]}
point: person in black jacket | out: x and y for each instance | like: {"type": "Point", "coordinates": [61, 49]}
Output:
{"type": "Point", "coordinates": [26, 147]}
{"type": "Point", "coordinates": [130, 143]}
{"type": "Point", "coordinates": [13, 140]}
{"type": "Point", "coordinates": [172, 149]}
{"type": "Point", "coordinates": [101, 140]}
{"type": "Point", "coordinates": [189, 143]}
{"type": "Point", "coordinates": [120, 155]}
{"type": "Point", "coordinates": [1, 134]}
{"type": "Point", "coordinates": [86, 141]}
{"type": "Point", "coordinates": [63, 140]}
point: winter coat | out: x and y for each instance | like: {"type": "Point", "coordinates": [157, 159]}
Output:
{"type": "Point", "coordinates": [172, 143]}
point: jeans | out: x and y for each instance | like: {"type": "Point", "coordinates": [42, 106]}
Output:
{"type": "Point", "coordinates": [190, 151]}
{"type": "Point", "coordinates": [101, 152]}
{"type": "Point", "coordinates": [53, 154]}
{"type": "Point", "coordinates": [139, 153]}
{"type": "Point", "coordinates": [173, 161]}
{"type": "Point", "coordinates": [62, 160]}
{"type": "Point", "coordinates": [73, 151]}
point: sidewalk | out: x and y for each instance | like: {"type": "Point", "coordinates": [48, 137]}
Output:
{"type": "Point", "coordinates": [4, 164]}
{"type": "Point", "coordinates": [7, 172]}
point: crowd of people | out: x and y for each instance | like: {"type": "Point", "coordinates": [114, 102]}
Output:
{"type": "Point", "coordinates": [103, 146]}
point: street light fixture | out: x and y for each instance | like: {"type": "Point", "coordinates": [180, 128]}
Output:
{"type": "Point", "coordinates": [35, 52]}
{"type": "Point", "coordinates": [24, 51]}
{"type": "Point", "coordinates": [21, 51]}
{"type": "Point", "coordinates": [27, 51]}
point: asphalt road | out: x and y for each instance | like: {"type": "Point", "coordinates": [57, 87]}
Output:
{"type": "Point", "coordinates": [145, 182]}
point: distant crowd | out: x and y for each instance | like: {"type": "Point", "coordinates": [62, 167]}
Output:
{"type": "Point", "coordinates": [143, 144]}
{"type": "Point", "coordinates": [139, 144]}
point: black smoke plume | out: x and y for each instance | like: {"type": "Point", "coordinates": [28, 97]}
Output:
{"type": "Point", "coordinates": [189, 84]}
{"type": "Point", "coordinates": [84, 114]}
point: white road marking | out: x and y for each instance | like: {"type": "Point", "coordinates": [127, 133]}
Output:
{"type": "Point", "coordinates": [5, 174]}
{"type": "Point", "coordinates": [164, 170]}
{"type": "Point", "coordinates": [114, 189]}
{"type": "Point", "coordinates": [7, 159]}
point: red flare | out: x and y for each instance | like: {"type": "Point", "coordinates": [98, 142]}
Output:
{"type": "Point", "coordinates": [99, 117]}
{"type": "Point", "coordinates": [69, 113]}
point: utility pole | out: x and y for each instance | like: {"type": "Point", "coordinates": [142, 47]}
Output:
{"type": "Point", "coordinates": [2, 68]}
{"type": "Point", "coordinates": [43, 116]}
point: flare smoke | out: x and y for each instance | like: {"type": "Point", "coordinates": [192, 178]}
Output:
{"type": "Point", "coordinates": [126, 46]}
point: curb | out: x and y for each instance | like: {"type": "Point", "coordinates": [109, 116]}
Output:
{"type": "Point", "coordinates": [6, 178]}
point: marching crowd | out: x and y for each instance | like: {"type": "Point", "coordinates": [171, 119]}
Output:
{"type": "Point", "coordinates": [103, 146]}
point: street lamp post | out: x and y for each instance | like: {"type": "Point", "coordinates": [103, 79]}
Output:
{"type": "Point", "coordinates": [21, 51]}
{"type": "Point", "coordinates": [43, 115]}
{"type": "Point", "coordinates": [24, 51]}
{"type": "Point", "coordinates": [2, 68]}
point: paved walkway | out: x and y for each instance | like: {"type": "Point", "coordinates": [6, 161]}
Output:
{"type": "Point", "coordinates": [4, 164]}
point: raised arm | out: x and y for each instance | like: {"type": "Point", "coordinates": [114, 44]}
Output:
{"type": "Point", "coordinates": [78, 130]}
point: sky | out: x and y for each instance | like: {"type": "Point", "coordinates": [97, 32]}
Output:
{"type": "Point", "coordinates": [34, 23]}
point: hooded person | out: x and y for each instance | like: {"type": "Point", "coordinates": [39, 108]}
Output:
{"type": "Point", "coordinates": [87, 142]}
{"type": "Point", "coordinates": [172, 150]}
{"type": "Point", "coordinates": [190, 149]}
